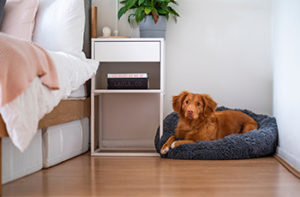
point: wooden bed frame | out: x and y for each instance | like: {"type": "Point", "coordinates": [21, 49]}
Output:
{"type": "Point", "coordinates": [65, 111]}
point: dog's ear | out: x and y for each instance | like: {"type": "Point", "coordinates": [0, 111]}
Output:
{"type": "Point", "coordinates": [177, 101]}
{"type": "Point", "coordinates": [209, 105]}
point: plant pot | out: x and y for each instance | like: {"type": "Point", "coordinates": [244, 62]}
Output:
{"type": "Point", "coordinates": [148, 29]}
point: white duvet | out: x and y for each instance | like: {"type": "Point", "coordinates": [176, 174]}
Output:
{"type": "Point", "coordinates": [22, 115]}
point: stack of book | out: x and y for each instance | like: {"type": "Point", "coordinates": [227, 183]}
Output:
{"type": "Point", "coordinates": [127, 81]}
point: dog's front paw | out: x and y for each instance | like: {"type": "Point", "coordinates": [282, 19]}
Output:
{"type": "Point", "coordinates": [174, 145]}
{"type": "Point", "coordinates": [164, 150]}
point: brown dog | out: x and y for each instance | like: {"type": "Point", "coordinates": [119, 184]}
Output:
{"type": "Point", "coordinates": [198, 120]}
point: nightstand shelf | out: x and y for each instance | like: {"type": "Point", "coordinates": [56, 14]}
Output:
{"type": "Point", "coordinates": [125, 120]}
{"type": "Point", "coordinates": [96, 92]}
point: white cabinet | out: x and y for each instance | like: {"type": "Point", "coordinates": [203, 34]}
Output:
{"type": "Point", "coordinates": [124, 122]}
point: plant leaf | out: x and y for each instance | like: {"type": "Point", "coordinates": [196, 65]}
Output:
{"type": "Point", "coordinates": [175, 2]}
{"type": "Point", "coordinates": [130, 3]}
{"type": "Point", "coordinates": [122, 11]}
{"type": "Point", "coordinates": [139, 14]}
{"type": "Point", "coordinates": [175, 18]}
{"type": "Point", "coordinates": [155, 15]}
{"type": "Point", "coordinates": [167, 16]}
{"type": "Point", "coordinates": [129, 18]}
{"type": "Point", "coordinates": [141, 2]}
{"type": "Point", "coordinates": [148, 10]}
{"type": "Point", "coordinates": [162, 12]}
{"type": "Point", "coordinates": [164, 7]}
{"type": "Point", "coordinates": [147, 3]}
{"type": "Point", "coordinates": [172, 11]}
{"type": "Point", "coordinates": [153, 3]}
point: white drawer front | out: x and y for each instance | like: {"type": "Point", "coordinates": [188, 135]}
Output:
{"type": "Point", "coordinates": [127, 51]}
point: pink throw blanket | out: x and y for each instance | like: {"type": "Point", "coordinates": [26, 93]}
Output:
{"type": "Point", "coordinates": [20, 63]}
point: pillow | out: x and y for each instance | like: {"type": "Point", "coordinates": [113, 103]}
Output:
{"type": "Point", "coordinates": [60, 25]}
{"type": "Point", "coordinates": [2, 3]}
{"type": "Point", "coordinates": [19, 18]}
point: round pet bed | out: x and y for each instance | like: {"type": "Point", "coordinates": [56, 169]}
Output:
{"type": "Point", "coordinates": [256, 143]}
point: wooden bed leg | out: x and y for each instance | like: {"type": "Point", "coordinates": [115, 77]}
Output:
{"type": "Point", "coordinates": [0, 166]}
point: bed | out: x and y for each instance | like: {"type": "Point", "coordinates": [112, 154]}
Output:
{"type": "Point", "coordinates": [68, 109]}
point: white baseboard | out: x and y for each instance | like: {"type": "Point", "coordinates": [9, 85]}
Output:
{"type": "Point", "coordinates": [291, 159]}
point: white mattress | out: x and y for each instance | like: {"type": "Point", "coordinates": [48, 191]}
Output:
{"type": "Point", "coordinates": [79, 93]}
{"type": "Point", "coordinates": [64, 141]}
{"type": "Point", "coordinates": [16, 164]}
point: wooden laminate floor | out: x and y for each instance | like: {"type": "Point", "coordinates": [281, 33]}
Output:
{"type": "Point", "coordinates": [152, 176]}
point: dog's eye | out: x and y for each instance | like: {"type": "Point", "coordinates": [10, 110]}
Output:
{"type": "Point", "coordinates": [186, 102]}
{"type": "Point", "coordinates": [198, 104]}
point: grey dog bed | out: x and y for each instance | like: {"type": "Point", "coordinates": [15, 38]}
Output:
{"type": "Point", "coordinates": [256, 143]}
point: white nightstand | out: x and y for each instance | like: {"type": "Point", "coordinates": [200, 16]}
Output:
{"type": "Point", "coordinates": [127, 120]}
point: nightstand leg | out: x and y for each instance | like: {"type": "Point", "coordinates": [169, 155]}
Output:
{"type": "Point", "coordinates": [161, 114]}
{"type": "Point", "coordinates": [92, 119]}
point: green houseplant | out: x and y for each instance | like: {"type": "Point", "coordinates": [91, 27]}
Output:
{"type": "Point", "coordinates": [151, 15]}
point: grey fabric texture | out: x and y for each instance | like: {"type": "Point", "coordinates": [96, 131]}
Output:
{"type": "Point", "coordinates": [2, 4]}
{"type": "Point", "coordinates": [87, 29]}
{"type": "Point", "coordinates": [256, 143]}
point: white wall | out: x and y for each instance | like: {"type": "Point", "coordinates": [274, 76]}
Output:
{"type": "Point", "coordinates": [107, 15]}
{"type": "Point", "coordinates": [286, 61]}
{"type": "Point", "coordinates": [219, 47]}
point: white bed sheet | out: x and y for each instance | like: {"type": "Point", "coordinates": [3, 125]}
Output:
{"type": "Point", "coordinates": [79, 93]}
{"type": "Point", "coordinates": [22, 115]}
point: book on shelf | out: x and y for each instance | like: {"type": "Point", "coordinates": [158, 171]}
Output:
{"type": "Point", "coordinates": [127, 81]}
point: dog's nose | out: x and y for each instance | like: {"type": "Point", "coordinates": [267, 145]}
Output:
{"type": "Point", "coordinates": [190, 112]}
